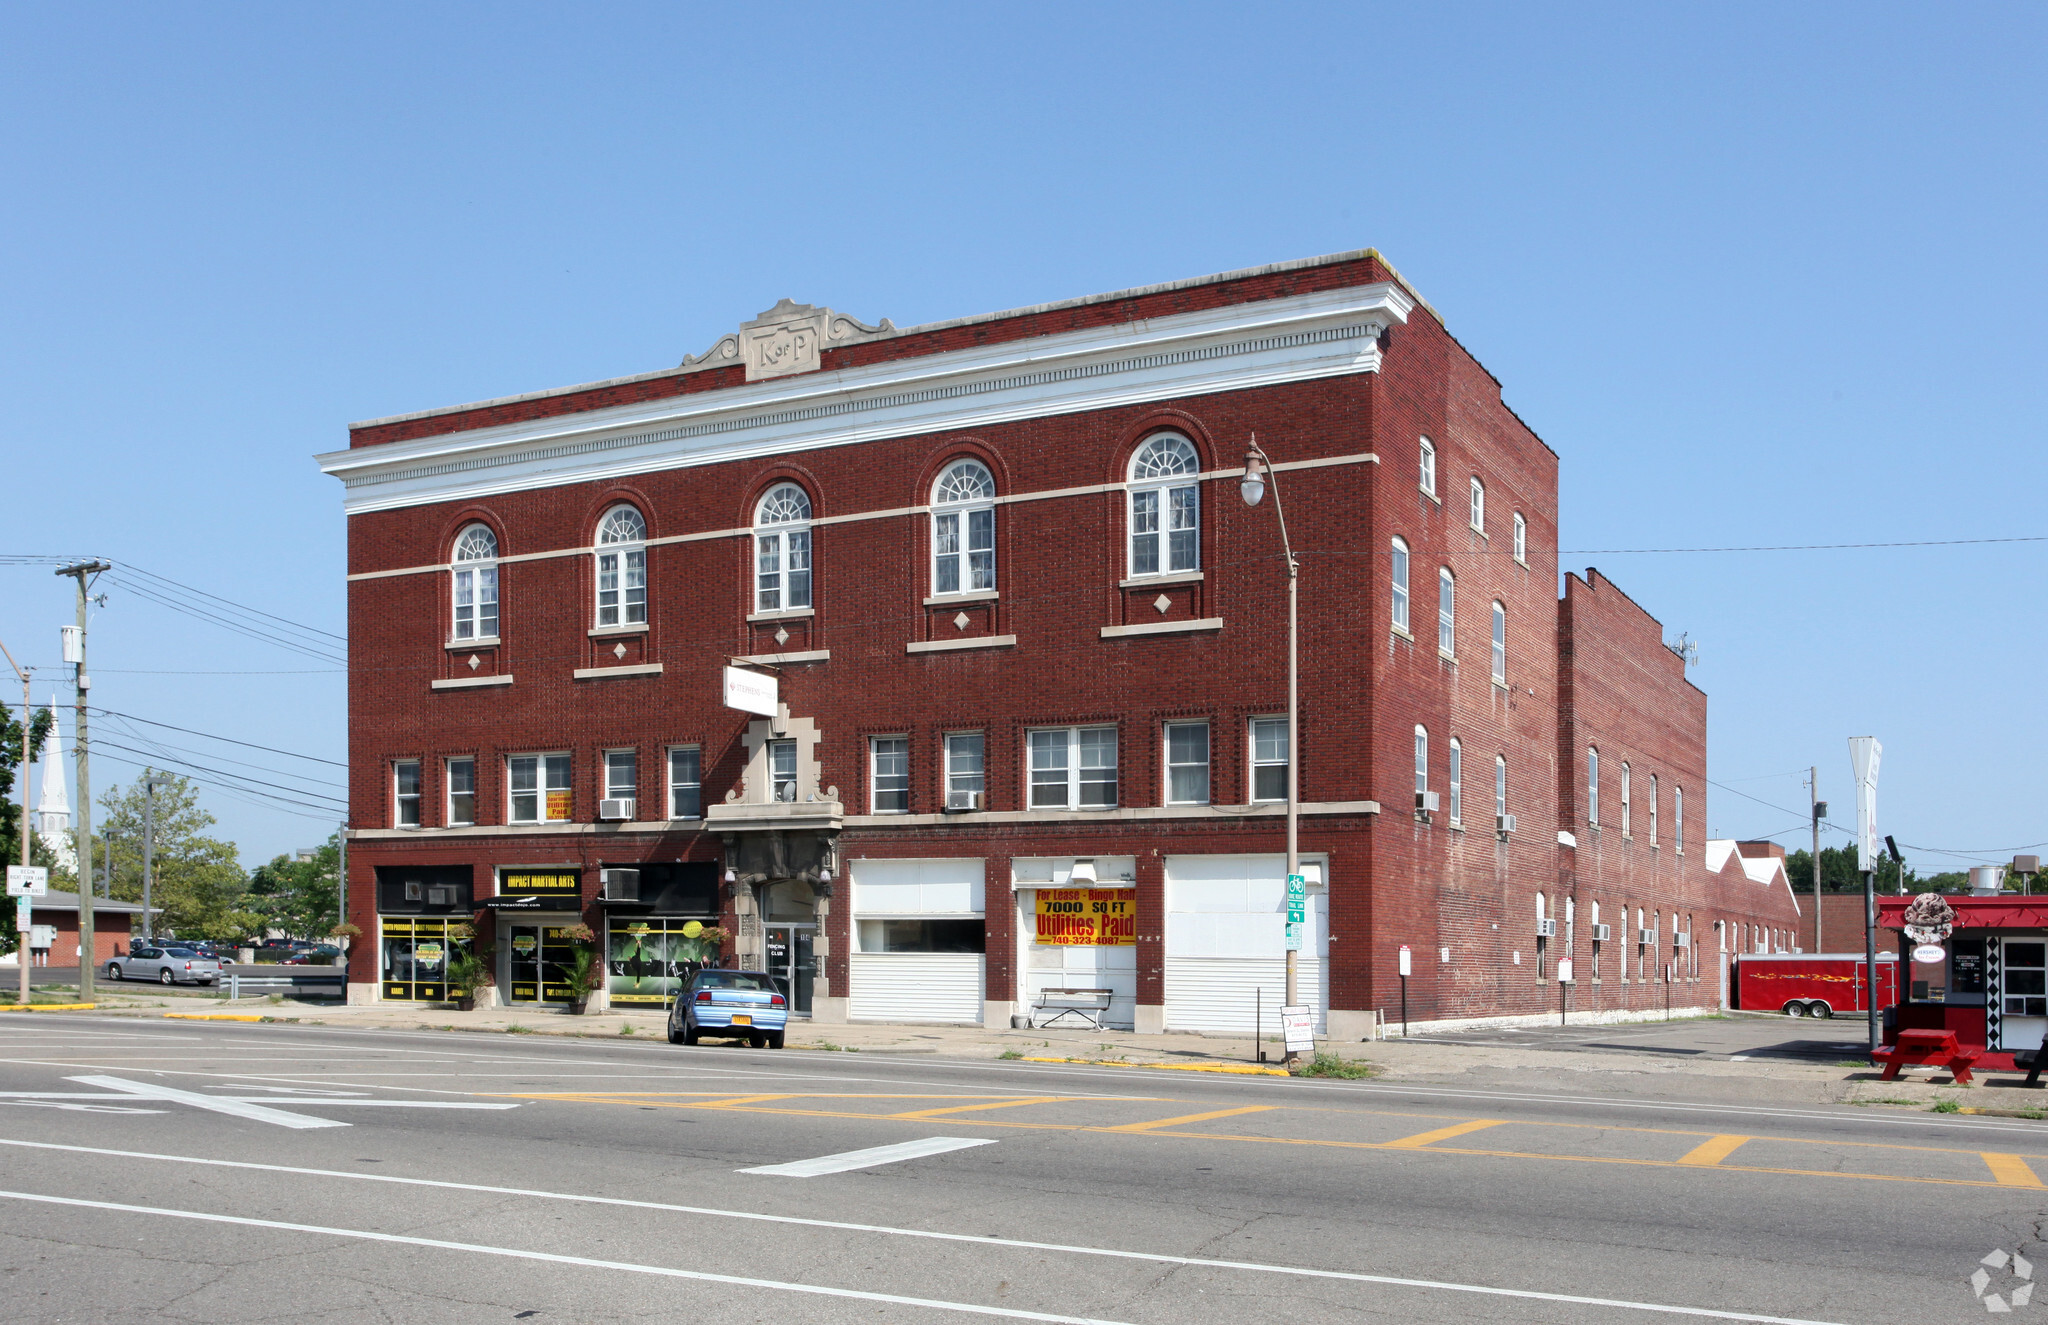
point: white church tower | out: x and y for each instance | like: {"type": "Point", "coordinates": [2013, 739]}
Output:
{"type": "Point", "coordinates": [53, 810]}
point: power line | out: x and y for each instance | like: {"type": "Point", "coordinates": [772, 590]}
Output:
{"type": "Point", "coordinates": [252, 611]}
{"type": "Point", "coordinates": [270, 749]}
{"type": "Point", "coordinates": [257, 790]}
{"type": "Point", "coordinates": [155, 743]}
{"type": "Point", "coordinates": [322, 813]}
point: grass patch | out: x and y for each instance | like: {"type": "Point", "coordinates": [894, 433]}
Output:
{"type": "Point", "coordinates": [1330, 1065]}
{"type": "Point", "coordinates": [1944, 1106]}
{"type": "Point", "coordinates": [1011, 1053]}
{"type": "Point", "coordinates": [1885, 1099]}
{"type": "Point", "coordinates": [516, 1029]}
{"type": "Point", "coordinates": [626, 1028]}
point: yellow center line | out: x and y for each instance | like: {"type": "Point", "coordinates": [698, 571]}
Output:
{"type": "Point", "coordinates": [1713, 1150]}
{"type": "Point", "coordinates": [2010, 1170]}
{"type": "Point", "coordinates": [991, 1104]}
{"type": "Point", "coordinates": [1421, 1139]}
{"type": "Point", "coordinates": [1185, 1118]}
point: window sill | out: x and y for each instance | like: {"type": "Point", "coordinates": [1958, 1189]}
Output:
{"type": "Point", "coordinates": [1163, 628]}
{"type": "Point", "coordinates": [954, 645]}
{"type": "Point", "coordinates": [599, 673]}
{"type": "Point", "coordinates": [1477, 530]}
{"type": "Point", "coordinates": [537, 823]}
{"type": "Point", "coordinates": [777, 659]}
{"type": "Point", "coordinates": [788, 614]}
{"type": "Point", "coordinates": [1501, 684]}
{"type": "Point", "coordinates": [1523, 562]}
{"type": "Point", "coordinates": [1429, 493]}
{"type": "Point", "coordinates": [1402, 633]}
{"type": "Point", "coordinates": [606, 632]}
{"type": "Point", "coordinates": [1447, 655]}
{"type": "Point", "coordinates": [1164, 578]}
{"type": "Point", "coordinates": [965, 596]}
{"type": "Point", "coordinates": [480, 642]}
{"type": "Point", "coordinates": [472, 682]}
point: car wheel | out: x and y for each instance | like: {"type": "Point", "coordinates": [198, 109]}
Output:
{"type": "Point", "coordinates": [689, 1032]}
{"type": "Point", "coordinates": [113, 973]}
{"type": "Point", "coordinates": [1795, 1009]}
{"type": "Point", "coordinates": [757, 1041]}
{"type": "Point", "coordinates": [164, 977]}
{"type": "Point", "coordinates": [774, 1039]}
{"type": "Point", "coordinates": [1820, 1009]}
{"type": "Point", "coordinates": [674, 1036]}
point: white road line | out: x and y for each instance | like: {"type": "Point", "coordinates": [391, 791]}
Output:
{"type": "Point", "coordinates": [869, 1158]}
{"type": "Point", "coordinates": [212, 1103]}
{"type": "Point", "coordinates": [516, 1254]}
{"type": "Point", "coordinates": [979, 1239]}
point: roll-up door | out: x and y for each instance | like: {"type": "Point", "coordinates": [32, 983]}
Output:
{"type": "Point", "coordinates": [919, 935]}
{"type": "Point", "coordinates": [1226, 942]}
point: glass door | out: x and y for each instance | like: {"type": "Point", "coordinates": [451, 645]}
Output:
{"type": "Point", "coordinates": [791, 962]}
{"type": "Point", "coordinates": [538, 964]}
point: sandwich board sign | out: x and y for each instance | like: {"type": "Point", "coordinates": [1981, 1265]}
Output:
{"type": "Point", "coordinates": [1298, 1028]}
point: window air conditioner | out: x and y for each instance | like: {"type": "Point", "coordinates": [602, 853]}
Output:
{"type": "Point", "coordinates": [961, 802]}
{"type": "Point", "coordinates": [1504, 824]}
{"type": "Point", "coordinates": [440, 896]}
{"type": "Point", "coordinates": [620, 808]}
{"type": "Point", "coordinates": [1683, 939]}
{"type": "Point", "coordinates": [1601, 933]}
{"type": "Point", "coordinates": [619, 885]}
{"type": "Point", "coordinates": [1646, 936]}
{"type": "Point", "coordinates": [1426, 801]}
{"type": "Point", "coordinates": [1546, 929]}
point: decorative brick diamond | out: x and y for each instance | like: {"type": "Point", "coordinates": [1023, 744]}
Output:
{"type": "Point", "coordinates": [781, 635]}
{"type": "Point", "coordinates": [1162, 602]}
{"type": "Point", "coordinates": [475, 662]}
{"type": "Point", "coordinates": [960, 621]}
{"type": "Point", "coordinates": [618, 650]}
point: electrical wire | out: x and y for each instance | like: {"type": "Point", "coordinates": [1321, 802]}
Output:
{"type": "Point", "coordinates": [132, 568]}
{"type": "Point", "coordinates": [154, 743]}
{"type": "Point", "coordinates": [323, 816]}
{"type": "Point", "coordinates": [237, 778]}
{"type": "Point", "coordinates": [270, 749]}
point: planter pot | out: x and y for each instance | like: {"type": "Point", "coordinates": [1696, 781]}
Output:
{"type": "Point", "coordinates": [467, 1003]}
{"type": "Point", "coordinates": [579, 1007]}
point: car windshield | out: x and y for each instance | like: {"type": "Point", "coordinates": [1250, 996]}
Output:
{"type": "Point", "coordinates": [735, 980]}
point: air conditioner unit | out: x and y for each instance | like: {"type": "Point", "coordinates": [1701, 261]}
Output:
{"type": "Point", "coordinates": [1426, 801]}
{"type": "Point", "coordinates": [440, 896]}
{"type": "Point", "coordinates": [1683, 939]}
{"type": "Point", "coordinates": [1546, 929]}
{"type": "Point", "coordinates": [1504, 824]}
{"type": "Point", "coordinates": [619, 885]}
{"type": "Point", "coordinates": [1601, 933]}
{"type": "Point", "coordinates": [1646, 936]}
{"type": "Point", "coordinates": [620, 808]}
{"type": "Point", "coordinates": [962, 802]}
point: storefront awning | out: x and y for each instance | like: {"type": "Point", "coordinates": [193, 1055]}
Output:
{"type": "Point", "coordinates": [1997, 911]}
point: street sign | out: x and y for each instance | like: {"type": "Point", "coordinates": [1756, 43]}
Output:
{"type": "Point", "coordinates": [1297, 903]}
{"type": "Point", "coordinates": [1298, 1028]}
{"type": "Point", "coordinates": [27, 880]}
{"type": "Point", "coordinates": [750, 692]}
{"type": "Point", "coordinates": [1564, 970]}
{"type": "Point", "coordinates": [1407, 961]}
{"type": "Point", "coordinates": [23, 909]}
{"type": "Point", "coordinates": [1294, 936]}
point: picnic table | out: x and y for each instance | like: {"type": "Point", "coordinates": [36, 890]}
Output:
{"type": "Point", "coordinates": [1928, 1048]}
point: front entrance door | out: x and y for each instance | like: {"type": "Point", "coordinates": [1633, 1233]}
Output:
{"type": "Point", "coordinates": [538, 958]}
{"type": "Point", "coordinates": [791, 962]}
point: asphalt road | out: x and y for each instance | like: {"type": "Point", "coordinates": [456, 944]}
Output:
{"type": "Point", "coordinates": [227, 1172]}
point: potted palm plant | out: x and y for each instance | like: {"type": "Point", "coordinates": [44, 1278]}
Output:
{"type": "Point", "coordinates": [585, 969]}
{"type": "Point", "coordinates": [467, 973]}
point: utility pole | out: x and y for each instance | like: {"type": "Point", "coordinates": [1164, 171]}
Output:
{"type": "Point", "coordinates": [74, 653]}
{"type": "Point", "coordinates": [150, 781]}
{"type": "Point", "coordinates": [1820, 810]}
{"type": "Point", "coordinates": [22, 938]}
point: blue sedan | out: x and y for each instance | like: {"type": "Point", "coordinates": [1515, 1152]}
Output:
{"type": "Point", "coordinates": [745, 1005]}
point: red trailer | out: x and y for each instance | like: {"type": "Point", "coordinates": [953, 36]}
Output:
{"type": "Point", "coordinates": [1813, 984]}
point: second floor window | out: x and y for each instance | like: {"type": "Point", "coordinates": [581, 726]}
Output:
{"type": "Point", "coordinates": [1399, 562]}
{"type": "Point", "coordinates": [461, 792]}
{"type": "Point", "coordinates": [1653, 808]}
{"type": "Point", "coordinates": [1678, 820]}
{"type": "Point", "coordinates": [1269, 759]}
{"type": "Point", "coordinates": [1073, 768]}
{"type": "Point", "coordinates": [964, 529]}
{"type": "Point", "coordinates": [782, 550]}
{"type": "Point", "coordinates": [1500, 643]}
{"type": "Point", "coordinates": [890, 756]}
{"type": "Point", "coordinates": [622, 775]}
{"type": "Point", "coordinates": [1457, 781]}
{"type": "Point", "coordinates": [1166, 507]}
{"type": "Point", "coordinates": [1626, 825]}
{"type": "Point", "coordinates": [406, 794]}
{"type": "Point", "coordinates": [622, 568]}
{"type": "Point", "coordinates": [476, 584]}
{"type": "Point", "coordinates": [782, 771]}
{"type": "Point", "coordinates": [1521, 538]}
{"type": "Point", "coordinates": [1426, 472]}
{"type": "Point", "coordinates": [1500, 791]}
{"type": "Point", "coordinates": [1187, 763]}
{"type": "Point", "coordinates": [685, 782]}
{"type": "Point", "coordinates": [966, 780]}
{"type": "Point", "coordinates": [537, 788]}
{"type": "Point", "coordinates": [1592, 786]}
{"type": "Point", "coordinates": [1478, 505]}
{"type": "Point", "coordinates": [1421, 764]}
{"type": "Point", "coordinates": [1446, 613]}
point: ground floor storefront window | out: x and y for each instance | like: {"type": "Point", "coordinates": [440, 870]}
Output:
{"type": "Point", "coordinates": [649, 958]}
{"type": "Point", "coordinates": [415, 954]}
{"type": "Point", "coordinates": [537, 961]}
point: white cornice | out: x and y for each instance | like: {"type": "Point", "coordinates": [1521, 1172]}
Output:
{"type": "Point", "coordinates": [1326, 334]}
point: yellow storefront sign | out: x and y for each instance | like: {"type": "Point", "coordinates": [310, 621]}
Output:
{"type": "Point", "coordinates": [1087, 917]}
{"type": "Point", "coordinates": [529, 882]}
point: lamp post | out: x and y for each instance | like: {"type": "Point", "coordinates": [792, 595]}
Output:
{"type": "Point", "coordinates": [1258, 474]}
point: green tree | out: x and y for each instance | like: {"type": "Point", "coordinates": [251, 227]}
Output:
{"type": "Point", "coordinates": [10, 794]}
{"type": "Point", "coordinates": [1840, 872]}
{"type": "Point", "coordinates": [298, 896]}
{"type": "Point", "coordinates": [200, 887]}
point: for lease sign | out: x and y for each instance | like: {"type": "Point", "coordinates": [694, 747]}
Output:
{"type": "Point", "coordinates": [1087, 917]}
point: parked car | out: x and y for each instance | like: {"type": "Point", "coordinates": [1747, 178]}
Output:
{"type": "Point", "coordinates": [320, 956]}
{"type": "Point", "coordinates": [743, 1005]}
{"type": "Point", "coordinates": [167, 965]}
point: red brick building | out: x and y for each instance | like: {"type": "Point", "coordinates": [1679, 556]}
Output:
{"type": "Point", "coordinates": [1030, 649]}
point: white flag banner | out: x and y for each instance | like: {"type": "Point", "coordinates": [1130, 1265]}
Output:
{"type": "Point", "coordinates": [1864, 752]}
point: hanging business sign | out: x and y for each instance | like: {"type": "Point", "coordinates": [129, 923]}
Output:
{"type": "Point", "coordinates": [1930, 954]}
{"type": "Point", "coordinates": [1864, 756]}
{"type": "Point", "coordinates": [1087, 917]}
{"type": "Point", "coordinates": [751, 692]}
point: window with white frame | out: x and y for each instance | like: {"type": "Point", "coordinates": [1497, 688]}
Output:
{"type": "Point", "coordinates": [1653, 809]}
{"type": "Point", "coordinates": [1073, 768]}
{"type": "Point", "coordinates": [1187, 763]}
{"type": "Point", "coordinates": [964, 529]}
{"type": "Point", "coordinates": [1421, 763]}
{"type": "Point", "coordinates": [1678, 820]}
{"type": "Point", "coordinates": [622, 775]}
{"type": "Point", "coordinates": [1521, 539]}
{"type": "Point", "coordinates": [1426, 467]}
{"type": "Point", "coordinates": [1627, 822]}
{"type": "Point", "coordinates": [461, 792]}
{"type": "Point", "coordinates": [1166, 507]}
{"type": "Point", "coordinates": [537, 789]}
{"type": "Point", "coordinates": [1500, 788]}
{"type": "Point", "coordinates": [621, 568]}
{"type": "Point", "coordinates": [475, 577]}
{"type": "Point", "coordinates": [406, 793]}
{"type": "Point", "coordinates": [1446, 613]}
{"type": "Point", "coordinates": [1269, 759]}
{"type": "Point", "coordinates": [782, 550]}
{"type": "Point", "coordinates": [1399, 562]}
{"type": "Point", "coordinates": [685, 782]}
{"type": "Point", "coordinates": [1478, 505]}
{"type": "Point", "coordinates": [1593, 786]}
{"type": "Point", "coordinates": [782, 772]}
{"type": "Point", "coordinates": [1457, 782]}
{"type": "Point", "coordinates": [889, 774]}
{"type": "Point", "coordinates": [966, 770]}
{"type": "Point", "coordinates": [1500, 643]}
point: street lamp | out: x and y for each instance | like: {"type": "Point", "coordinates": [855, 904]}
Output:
{"type": "Point", "coordinates": [1258, 474]}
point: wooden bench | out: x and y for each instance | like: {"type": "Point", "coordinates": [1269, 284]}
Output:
{"type": "Point", "coordinates": [1928, 1048]}
{"type": "Point", "coordinates": [1089, 1005]}
{"type": "Point", "coordinates": [2033, 1060]}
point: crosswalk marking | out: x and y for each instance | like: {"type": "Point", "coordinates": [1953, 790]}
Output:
{"type": "Point", "coordinates": [1185, 1118]}
{"type": "Point", "coordinates": [1421, 1139]}
{"type": "Point", "coordinates": [869, 1158]}
{"type": "Point", "coordinates": [1713, 1150]}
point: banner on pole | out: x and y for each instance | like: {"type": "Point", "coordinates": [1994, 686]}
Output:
{"type": "Point", "coordinates": [1864, 753]}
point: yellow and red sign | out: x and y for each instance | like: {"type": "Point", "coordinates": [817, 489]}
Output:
{"type": "Point", "coordinates": [1087, 917]}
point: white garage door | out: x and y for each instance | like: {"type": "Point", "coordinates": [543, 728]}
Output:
{"type": "Point", "coordinates": [1226, 942]}
{"type": "Point", "coordinates": [918, 937]}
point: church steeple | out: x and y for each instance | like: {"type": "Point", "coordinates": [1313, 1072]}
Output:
{"type": "Point", "coordinates": [53, 809]}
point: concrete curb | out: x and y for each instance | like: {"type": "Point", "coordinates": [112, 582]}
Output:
{"type": "Point", "coordinates": [48, 1007]}
{"type": "Point", "coordinates": [214, 1016]}
{"type": "Point", "coordinates": [1230, 1069]}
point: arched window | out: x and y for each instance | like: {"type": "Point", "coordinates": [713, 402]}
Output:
{"type": "Point", "coordinates": [1627, 824]}
{"type": "Point", "coordinates": [1653, 809]}
{"type": "Point", "coordinates": [1399, 560]}
{"type": "Point", "coordinates": [1500, 642]}
{"type": "Point", "coordinates": [1421, 763]}
{"type": "Point", "coordinates": [782, 550]}
{"type": "Point", "coordinates": [476, 583]}
{"type": "Point", "coordinates": [1521, 539]}
{"type": "Point", "coordinates": [1457, 782]}
{"type": "Point", "coordinates": [1426, 474]}
{"type": "Point", "coordinates": [1678, 820]}
{"type": "Point", "coordinates": [1446, 613]}
{"type": "Point", "coordinates": [1593, 786]}
{"type": "Point", "coordinates": [622, 568]}
{"type": "Point", "coordinates": [1500, 791]}
{"type": "Point", "coordinates": [1166, 507]}
{"type": "Point", "coordinates": [1478, 504]}
{"type": "Point", "coordinates": [964, 529]}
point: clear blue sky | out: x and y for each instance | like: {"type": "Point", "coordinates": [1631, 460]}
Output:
{"type": "Point", "coordinates": [1761, 274]}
